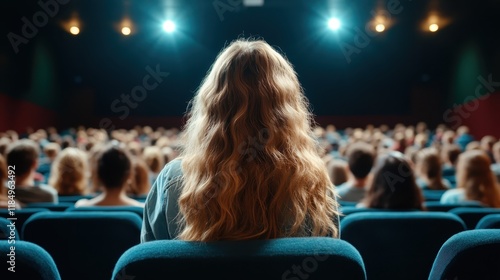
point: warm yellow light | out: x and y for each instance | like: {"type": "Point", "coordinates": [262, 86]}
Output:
{"type": "Point", "coordinates": [126, 30]}
{"type": "Point", "coordinates": [433, 27]}
{"type": "Point", "coordinates": [74, 30]}
{"type": "Point", "coordinates": [380, 27]}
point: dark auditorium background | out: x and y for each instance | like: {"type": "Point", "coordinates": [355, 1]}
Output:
{"type": "Point", "coordinates": [404, 74]}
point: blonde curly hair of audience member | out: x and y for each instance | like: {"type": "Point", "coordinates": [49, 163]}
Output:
{"type": "Point", "coordinates": [140, 182]}
{"type": "Point", "coordinates": [69, 172]}
{"type": "Point", "coordinates": [476, 178]}
{"type": "Point", "coordinates": [250, 157]}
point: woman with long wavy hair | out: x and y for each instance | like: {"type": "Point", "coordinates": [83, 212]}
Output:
{"type": "Point", "coordinates": [250, 167]}
{"type": "Point", "coordinates": [476, 182]}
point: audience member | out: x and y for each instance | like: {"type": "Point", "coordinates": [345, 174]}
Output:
{"type": "Point", "coordinates": [249, 168]}
{"type": "Point", "coordinates": [114, 173]}
{"type": "Point", "coordinates": [360, 158]}
{"type": "Point", "coordinates": [496, 166]}
{"type": "Point", "coordinates": [429, 170]}
{"type": "Point", "coordinates": [70, 172]}
{"type": "Point", "coordinates": [393, 185]}
{"type": "Point", "coordinates": [475, 181]}
{"type": "Point", "coordinates": [23, 156]}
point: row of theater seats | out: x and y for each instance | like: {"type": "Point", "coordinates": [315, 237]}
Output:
{"type": "Point", "coordinates": [374, 245]}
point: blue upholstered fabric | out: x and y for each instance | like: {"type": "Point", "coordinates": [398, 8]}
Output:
{"type": "Point", "coordinates": [284, 258]}
{"type": "Point", "coordinates": [5, 230]}
{"type": "Point", "coordinates": [133, 209]}
{"type": "Point", "coordinates": [432, 195]}
{"type": "Point", "coordinates": [84, 245]}
{"type": "Point", "coordinates": [31, 262]}
{"type": "Point", "coordinates": [491, 221]}
{"type": "Point", "coordinates": [61, 206]}
{"type": "Point", "coordinates": [73, 198]}
{"type": "Point", "coordinates": [469, 255]}
{"type": "Point", "coordinates": [399, 245]}
{"type": "Point", "coordinates": [22, 216]}
{"type": "Point", "coordinates": [471, 216]}
{"type": "Point", "coordinates": [437, 206]}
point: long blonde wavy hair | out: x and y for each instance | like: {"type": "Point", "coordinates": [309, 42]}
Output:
{"type": "Point", "coordinates": [251, 166]}
{"type": "Point", "coordinates": [69, 172]}
{"type": "Point", "coordinates": [474, 175]}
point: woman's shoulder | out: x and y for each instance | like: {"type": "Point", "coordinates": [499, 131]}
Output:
{"type": "Point", "coordinates": [453, 196]}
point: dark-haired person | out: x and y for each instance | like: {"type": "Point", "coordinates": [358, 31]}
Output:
{"type": "Point", "coordinates": [393, 185]}
{"type": "Point", "coordinates": [360, 158]}
{"type": "Point", "coordinates": [23, 156]}
{"type": "Point", "coordinates": [250, 167]}
{"type": "Point", "coordinates": [114, 173]}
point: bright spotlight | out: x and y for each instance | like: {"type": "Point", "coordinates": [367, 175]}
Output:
{"type": "Point", "coordinates": [126, 30]}
{"type": "Point", "coordinates": [380, 27]}
{"type": "Point", "coordinates": [169, 26]}
{"type": "Point", "coordinates": [334, 23]}
{"type": "Point", "coordinates": [433, 27]}
{"type": "Point", "coordinates": [74, 30]}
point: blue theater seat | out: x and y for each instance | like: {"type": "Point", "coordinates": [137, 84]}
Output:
{"type": "Point", "coordinates": [399, 245]}
{"type": "Point", "coordinates": [61, 206]}
{"type": "Point", "coordinates": [491, 221]}
{"type": "Point", "coordinates": [31, 262]}
{"type": "Point", "coordinates": [84, 245]}
{"type": "Point", "coordinates": [471, 216]}
{"type": "Point", "coordinates": [22, 215]}
{"type": "Point", "coordinates": [437, 206]}
{"type": "Point", "coordinates": [133, 209]}
{"type": "Point", "coordinates": [310, 258]}
{"type": "Point", "coordinates": [469, 255]}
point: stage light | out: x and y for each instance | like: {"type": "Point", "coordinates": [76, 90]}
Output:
{"type": "Point", "coordinates": [126, 30]}
{"type": "Point", "coordinates": [380, 27]}
{"type": "Point", "coordinates": [74, 30]}
{"type": "Point", "coordinates": [169, 26]}
{"type": "Point", "coordinates": [334, 24]}
{"type": "Point", "coordinates": [433, 27]}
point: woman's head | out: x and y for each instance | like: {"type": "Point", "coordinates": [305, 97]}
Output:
{"type": "Point", "coordinates": [429, 168]}
{"type": "Point", "coordinates": [474, 175]}
{"type": "Point", "coordinates": [249, 149]}
{"type": "Point", "coordinates": [393, 185]}
{"type": "Point", "coordinates": [69, 172]}
{"type": "Point", "coordinates": [114, 167]}
{"type": "Point", "coordinates": [154, 158]}
{"type": "Point", "coordinates": [140, 185]}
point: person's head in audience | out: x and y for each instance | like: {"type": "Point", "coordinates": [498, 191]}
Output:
{"type": "Point", "coordinates": [337, 171]}
{"type": "Point", "coordinates": [473, 145]}
{"type": "Point", "coordinates": [496, 152]}
{"type": "Point", "coordinates": [249, 139]}
{"type": "Point", "coordinates": [450, 155]}
{"type": "Point", "coordinates": [3, 178]}
{"type": "Point", "coordinates": [114, 174]}
{"type": "Point", "coordinates": [154, 159]}
{"type": "Point", "coordinates": [360, 158]}
{"type": "Point", "coordinates": [429, 169]}
{"type": "Point", "coordinates": [140, 184]}
{"type": "Point", "coordinates": [476, 178]}
{"type": "Point", "coordinates": [393, 185]}
{"type": "Point", "coordinates": [23, 154]}
{"type": "Point", "coordinates": [51, 150]}
{"type": "Point", "coordinates": [4, 143]}
{"type": "Point", "coordinates": [69, 172]}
